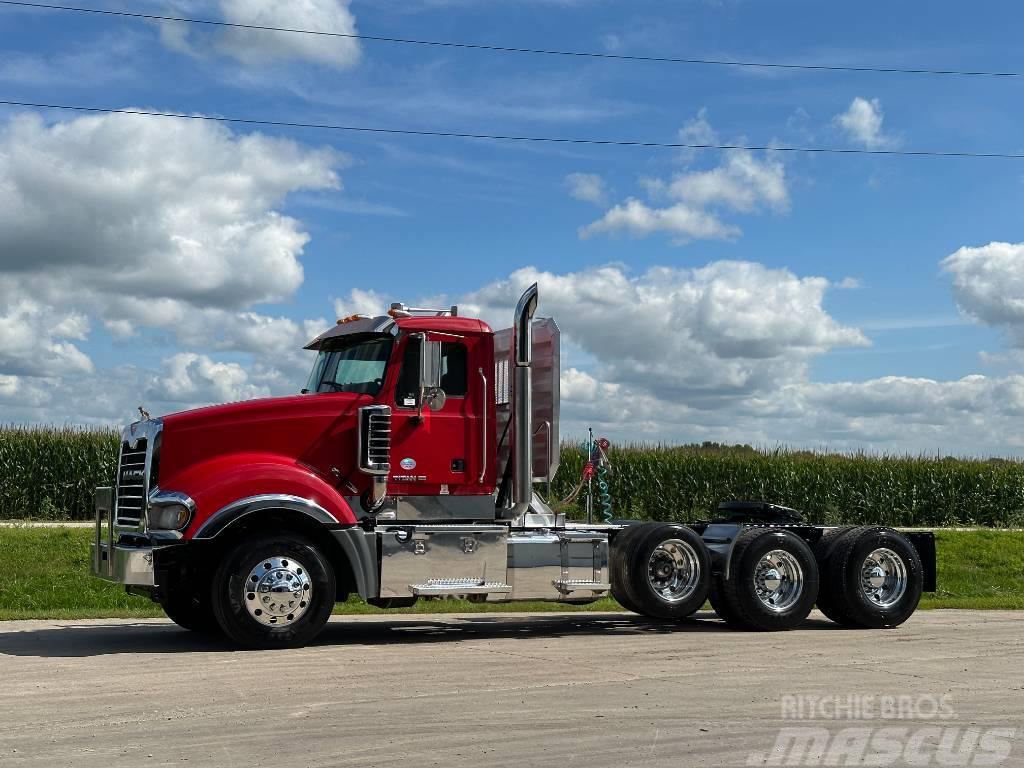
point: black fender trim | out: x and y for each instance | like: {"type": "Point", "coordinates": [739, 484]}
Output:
{"type": "Point", "coordinates": [360, 547]}
{"type": "Point", "coordinates": [227, 515]}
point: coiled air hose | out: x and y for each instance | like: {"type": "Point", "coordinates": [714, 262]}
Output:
{"type": "Point", "coordinates": [604, 467]}
{"type": "Point", "coordinates": [596, 467]}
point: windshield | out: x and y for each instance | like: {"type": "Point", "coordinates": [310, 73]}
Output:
{"type": "Point", "coordinates": [354, 365]}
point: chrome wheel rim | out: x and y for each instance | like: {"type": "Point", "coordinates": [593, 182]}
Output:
{"type": "Point", "coordinates": [778, 580]}
{"type": "Point", "coordinates": [673, 570]}
{"type": "Point", "coordinates": [883, 577]}
{"type": "Point", "coordinates": [277, 591]}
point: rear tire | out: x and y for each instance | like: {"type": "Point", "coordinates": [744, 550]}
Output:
{"type": "Point", "coordinates": [667, 571]}
{"type": "Point", "coordinates": [772, 584]}
{"type": "Point", "coordinates": [823, 553]}
{"type": "Point", "coordinates": [190, 610]}
{"type": "Point", "coordinates": [873, 578]}
{"type": "Point", "coordinates": [618, 567]}
{"type": "Point", "coordinates": [273, 591]}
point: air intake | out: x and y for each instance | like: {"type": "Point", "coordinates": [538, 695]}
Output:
{"type": "Point", "coordinates": [375, 451]}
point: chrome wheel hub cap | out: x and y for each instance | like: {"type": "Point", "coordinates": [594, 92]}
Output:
{"type": "Point", "coordinates": [277, 591]}
{"type": "Point", "coordinates": [673, 570]}
{"type": "Point", "coordinates": [778, 580]}
{"type": "Point", "coordinates": [883, 577]}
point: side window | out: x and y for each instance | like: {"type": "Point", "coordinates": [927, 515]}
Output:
{"type": "Point", "coordinates": [409, 376]}
{"type": "Point", "coordinates": [454, 377]}
{"type": "Point", "coordinates": [454, 374]}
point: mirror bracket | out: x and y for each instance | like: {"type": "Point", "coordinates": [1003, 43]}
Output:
{"type": "Point", "coordinates": [430, 392]}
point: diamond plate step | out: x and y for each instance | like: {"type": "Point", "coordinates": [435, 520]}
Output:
{"type": "Point", "coordinates": [459, 587]}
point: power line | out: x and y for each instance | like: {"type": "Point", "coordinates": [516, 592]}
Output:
{"type": "Point", "coordinates": [509, 137]}
{"type": "Point", "coordinates": [521, 50]}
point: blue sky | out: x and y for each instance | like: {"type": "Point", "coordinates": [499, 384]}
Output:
{"type": "Point", "coordinates": [843, 327]}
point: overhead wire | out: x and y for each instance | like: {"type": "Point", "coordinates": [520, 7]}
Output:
{"type": "Point", "coordinates": [520, 49]}
{"type": "Point", "coordinates": [639, 143]}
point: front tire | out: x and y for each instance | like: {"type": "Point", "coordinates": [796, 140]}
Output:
{"type": "Point", "coordinates": [190, 609]}
{"type": "Point", "coordinates": [772, 584]}
{"type": "Point", "coordinates": [273, 591]}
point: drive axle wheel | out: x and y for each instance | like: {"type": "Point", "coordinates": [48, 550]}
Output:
{"type": "Point", "coordinates": [619, 569]}
{"type": "Point", "coordinates": [273, 591]}
{"type": "Point", "coordinates": [873, 578]}
{"type": "Point", "coordinates": [772, 583]}
{"type": "Point", "coordinates": [823, 550]}
{"type": "Point", "coordinates": [667, 570]}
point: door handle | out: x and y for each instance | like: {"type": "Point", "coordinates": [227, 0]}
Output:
{"type": "Point", "coordinates": [483, 425]}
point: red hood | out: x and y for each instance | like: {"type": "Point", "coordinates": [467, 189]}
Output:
{"type": "Point", "coordinates": [315, 430]}
{"type": "Point", "coordinates": [260, 409]}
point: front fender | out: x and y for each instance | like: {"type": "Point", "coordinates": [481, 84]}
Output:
{"type": "Point", "coordinates": [233, 485]}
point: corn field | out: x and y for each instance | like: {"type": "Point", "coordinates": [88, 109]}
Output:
{"type": "Point", "coordinates": [50, 473]}
{"type": "Point", "coordinates": [686, 484]}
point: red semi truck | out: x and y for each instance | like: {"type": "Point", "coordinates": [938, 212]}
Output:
{"type": "Point", "coordinates": [406, 470]}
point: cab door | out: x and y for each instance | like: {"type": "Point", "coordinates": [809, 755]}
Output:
{"type": "Point", "coordinates": [439, 452]}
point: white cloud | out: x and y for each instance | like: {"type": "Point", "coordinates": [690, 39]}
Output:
{"type": "Point", "coordinates": [976, 415]}
{"type": "Point", "coordinates": [36, 341]}
{"type": "Point", "coordinates": [742, 182]}
{"type": "Point", "coordinates": [258, 47]}
{"type": "Point", "coordinates": [188, 377]}
{"type": "Point", "coordinates": [862, 123]}
{"type": "Point", "coordinates": [682, 221]}
{"type": "Point", "coordinates": [724, 330]}
{"type": "Point", "coordinates": [361, 302]}
{"type": "Point", "coordinates": [588, 187]}
{"type": "Point", "coordinates": [153, 208]}
{"type": "Point", "coordinates": [698, 130]}
{"type": "Point", "coordinates": [988, 285]}
{"type": "Point", "coordinates": [110, 397]}
{"type": "Point", "coordinates": [164, 228]}
{"type": "Point", "coordinates": [318, 15]}
{"type": "Point", "coordinates": [722, 352]}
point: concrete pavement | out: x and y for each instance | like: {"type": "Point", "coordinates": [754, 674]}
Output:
{"type": "Point", "coordinates": [491, 690]}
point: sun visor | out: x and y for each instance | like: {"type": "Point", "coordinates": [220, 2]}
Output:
{"type": "Point", "coordinates": [358, 326]}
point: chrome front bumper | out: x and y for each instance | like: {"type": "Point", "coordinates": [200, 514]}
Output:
{"type": "Point", "coordinates": [116, 562]}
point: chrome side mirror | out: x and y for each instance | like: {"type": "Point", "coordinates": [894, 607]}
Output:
{"type": "Point", "coordinates": [430, 393]}
{"type": "Point", "coordinates": [435, 398]}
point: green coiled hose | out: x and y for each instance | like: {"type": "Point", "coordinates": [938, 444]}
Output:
{"type": "Point", "coordinates": [604, 495]}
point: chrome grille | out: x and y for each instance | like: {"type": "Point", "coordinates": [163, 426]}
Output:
{"type": "Point", "coordinates": [375, 439]}
{"type": "Point", "coordinates": [131, 482]}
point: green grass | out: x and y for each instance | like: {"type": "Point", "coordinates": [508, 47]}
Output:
{"type": "Point", "coordinates": [978, 569]}
{"type": "Point", "coordinates": [45, 575]}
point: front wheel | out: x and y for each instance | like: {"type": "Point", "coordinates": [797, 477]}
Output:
{"type": "Point", "coordinates": [190, 609]}
{"type": "Point", "coordinates": [273, 591]}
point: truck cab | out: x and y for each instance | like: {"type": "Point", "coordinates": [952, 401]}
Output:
{"type": "Point", "coordinates": [405, 470]}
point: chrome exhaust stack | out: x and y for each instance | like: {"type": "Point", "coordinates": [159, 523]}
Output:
{"type": "Point", "coordinates": [522, 402]}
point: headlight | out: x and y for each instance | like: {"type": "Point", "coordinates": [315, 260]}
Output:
{"type": "Point", "coordinates": [169, 511]}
